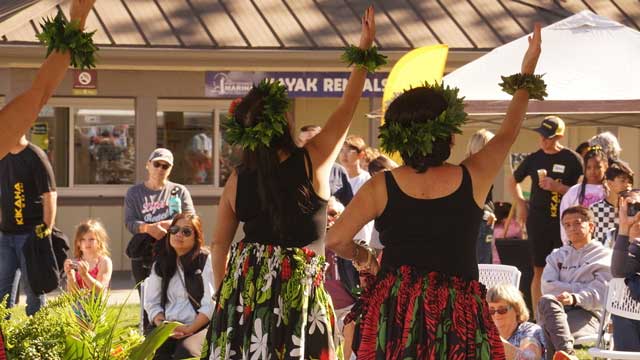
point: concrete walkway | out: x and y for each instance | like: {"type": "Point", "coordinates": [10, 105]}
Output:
{"type": "Point", "coordinates": [121, 287]}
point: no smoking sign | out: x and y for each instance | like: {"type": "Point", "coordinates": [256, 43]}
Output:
{"type": "Point", "coordinates": [85, 82]}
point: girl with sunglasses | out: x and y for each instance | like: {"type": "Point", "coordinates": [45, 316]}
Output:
{"type": "Point", "coordinates": [522, 339]}
{"type": "Point", "coordinates": [180, 288]}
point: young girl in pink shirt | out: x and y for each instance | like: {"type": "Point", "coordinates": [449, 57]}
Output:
{"type": "Point", "coordinates": [91, 266]}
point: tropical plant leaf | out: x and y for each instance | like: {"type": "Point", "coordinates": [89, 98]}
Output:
{"type": "Point", "coordinates": [153, 341]}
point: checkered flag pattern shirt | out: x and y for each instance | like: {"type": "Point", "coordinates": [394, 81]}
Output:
{"type": "Point", "coordinates": [606, 218]}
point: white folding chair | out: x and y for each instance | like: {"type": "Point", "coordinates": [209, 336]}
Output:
{"type": "Point", "coordinates": [619, 302]}
{"type": "Point", "coordinates": [491, 275]}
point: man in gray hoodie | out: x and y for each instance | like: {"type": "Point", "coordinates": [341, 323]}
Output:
{"type": "Point", "coordinates": [574, 284]}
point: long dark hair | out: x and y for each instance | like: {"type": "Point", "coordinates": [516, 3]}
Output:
{"type": "Point", "coordinates": [593, 153]}
{"type": "Point", "coordinates": [265, 160]}
{"type": "Point", "coordinates": [167, 261]}
{"type": "Point", "coordinates": [421, 104]}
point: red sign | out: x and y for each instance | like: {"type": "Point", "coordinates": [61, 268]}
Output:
{"type": "Point", "coordinates": [85, 82]}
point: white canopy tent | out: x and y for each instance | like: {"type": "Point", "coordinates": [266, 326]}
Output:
{"type": "Point", "coordinates": [591, 66]}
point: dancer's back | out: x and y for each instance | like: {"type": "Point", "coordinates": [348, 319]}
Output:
{"type": "Point", "coordinates": [305, 211]}
{"type": "Point", "coordinates": [432, 223]}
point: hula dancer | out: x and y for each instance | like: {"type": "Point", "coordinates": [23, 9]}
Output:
{"type": "Point", "coordinates": [66, 44]}
{"type": "Point", "coordinates": [426, 302]}
{"type": "Point", "coordinates": [271, 302]}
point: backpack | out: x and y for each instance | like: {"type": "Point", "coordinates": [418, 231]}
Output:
{"type": "Point", "coordinates": [44, 254]}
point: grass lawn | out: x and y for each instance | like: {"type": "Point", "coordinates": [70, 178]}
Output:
{"type": "Point", "coordinates": [129, 318]}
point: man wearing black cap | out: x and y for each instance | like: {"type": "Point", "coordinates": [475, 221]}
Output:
{"type": "Point", "coordinates": [553, 170]}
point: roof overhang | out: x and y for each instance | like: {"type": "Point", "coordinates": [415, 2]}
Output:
{"type": "Point", "coordinates": [115, 58]}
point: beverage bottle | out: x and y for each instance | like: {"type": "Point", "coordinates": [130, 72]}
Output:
{"type": "Point", "coordinates": [175, 204]}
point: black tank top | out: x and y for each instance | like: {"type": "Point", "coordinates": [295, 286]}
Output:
{"type": "Point", "coordinates": [306, 215]}
{"type": "Point", "coordinates": [433, 234]}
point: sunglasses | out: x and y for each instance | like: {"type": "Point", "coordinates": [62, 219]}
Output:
{"type": "Point", "coordinates": [349, 150]}
{"type": "Point", "coordinates": [186, 231]}
{"type": "Point", "coordinates": [158, 164]}
{"type": "Point", "coordinates": [500, 310]}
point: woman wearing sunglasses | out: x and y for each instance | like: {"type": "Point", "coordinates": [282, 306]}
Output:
{"type": "Point", "coordinates": [522, 340]}
{"type": "Point", "coordinates": [180, 288]}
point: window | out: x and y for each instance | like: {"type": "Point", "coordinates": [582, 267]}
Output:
{"type": "Point", "coordinates": [88, 141]}
{"type": "Point", "coordinates": [104, 146]}
{"type": "Point", "coordinates": [189, 136]}
{"type": "Point", "coordinates": [51, 133]}
{"type": "Point", "coordinates": [91, 142]}
{"type": "Point", "coordinates": [190, 129]}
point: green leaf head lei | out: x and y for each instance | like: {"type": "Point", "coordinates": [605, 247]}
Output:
{"type": "Point", "coordinates": [272, 122]}
{"type": "Point", "coordinates": [418, 137]}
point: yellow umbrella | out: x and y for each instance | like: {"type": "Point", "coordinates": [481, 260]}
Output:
{"type": "Point", "coordinates": [412, 70]}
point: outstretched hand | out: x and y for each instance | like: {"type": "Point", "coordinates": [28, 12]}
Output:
{"type": "Point", "coordinates": [80, 10]}
{"type": "Point", "coordinates": [368, 29]}
{"type": "Point", "coordinates": [530, 59]}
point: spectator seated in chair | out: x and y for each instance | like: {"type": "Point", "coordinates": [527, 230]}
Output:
{"type": "Point", "coordinates": [180, 288]}
{"type": "Point", "coordinates": [522, 339]}
{"type": "Point", "coordinates": [574, 283]}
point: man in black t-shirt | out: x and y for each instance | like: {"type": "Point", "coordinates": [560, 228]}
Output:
{"type": "Point", "coordinates": [553, 170]}
{"type": "Point", "coordinates": [27, 199]}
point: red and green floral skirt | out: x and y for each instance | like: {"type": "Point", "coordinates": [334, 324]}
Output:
{"type": "Point", "coordinates": [272, 305]}
{"type": "Point", "coordinates": [409, 314]}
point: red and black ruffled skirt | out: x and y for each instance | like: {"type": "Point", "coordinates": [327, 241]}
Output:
{"type": "Point", "coordinates": [411, 314]}
{"type": "Point", "coordinates": [3, 355]}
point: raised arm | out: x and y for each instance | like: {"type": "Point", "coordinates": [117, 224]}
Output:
{"type": "Point", "coordinates": [365, 206]}
{"type": "Point", "coordinates": [18, 115]}
{"type": "Point", "coordinates": [485, 164]}
{"type": "Point", "coordinates": [324, 147]}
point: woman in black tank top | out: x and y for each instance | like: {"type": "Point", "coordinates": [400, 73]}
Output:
{"type": "Point", "coordinates": [426, 301]}
{"type": "Point", "coordinates": [271, 301]}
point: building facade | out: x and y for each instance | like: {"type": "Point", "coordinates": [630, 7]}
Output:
{"type": "Point", "coordinates": [168, 70]}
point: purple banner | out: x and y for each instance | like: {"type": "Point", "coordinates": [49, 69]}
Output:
{"type": "Point", "coordinates": [231, 84]}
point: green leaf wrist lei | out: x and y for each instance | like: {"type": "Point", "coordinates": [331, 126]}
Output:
{"type": "Point", "coordinates": [532, 83]}
{"type": "Point", "coordinates": [369, 59]}
{"type": "Point", "coordinates": [60, 35]}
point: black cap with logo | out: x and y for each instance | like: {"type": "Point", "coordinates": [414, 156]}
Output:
{"type": "Point", "coordinates": [551, 126]}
